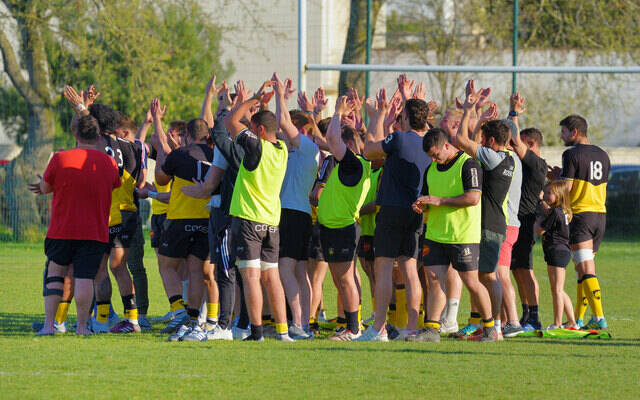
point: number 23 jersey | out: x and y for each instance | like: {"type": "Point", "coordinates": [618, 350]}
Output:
{"type": "Point", "coordinates": [588, 167]}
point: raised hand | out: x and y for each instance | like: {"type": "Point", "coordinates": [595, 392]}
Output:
{"type": "Point", "coordinates": [278, 85]}
{"type": "Point", "coordinates": [72, 97]}
{"type": "Point", "coordinates": [490, 114]}
{"type": "Point", "coordinates": [483, 97]}
{"type": "Point", "coordinates": [420, 92]}
{"type": "Point", "coordinates": [320, 101]}
{"type": "Point", "coordinates": [263, 90]}
{"type": "Point", "coordinates": [470, 102]}
{"type": "Point", "coordinates": [89, 96]}
{"type": "Point", "coordinates": [352, 95]}
{"type": "Point", "coordinates": [305, 104]}
{"type": "Point", "coordinates": [343, 106]}
{"type": "Point", "coordinates": [405, 86]}
{"type": "Point", "coordinates": [516, 103]}
{"type": "Point", "coordinates": [395, 108]}
{"type": "Point", "coordinates": [157, 110]}
{"type": "Point", "coordinates": [210, 89]}
{"type": "Point", "coordinates": [382, 106]}
{"type": "Point", "coordinates": [289, 90]}
{"type": "Point", "coordinates": [241, 92]}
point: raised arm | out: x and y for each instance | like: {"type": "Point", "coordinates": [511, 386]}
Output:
{"type": "Point", "coordinates": [210, 92]}
{"type": "Point", "coordinates": [334, 132]}
{"type": "Point", "coordinates": [282, 114]}
{"type": "Point", "coordinates": [75, 101]}
{"type": "Point", "coordinates": [489, 115]}
{"type": "Point", "coordinates": [516, 106]}
{"type": "Point", "coordinates": [375, 132]}
{"type": "Point", "coordinates": [233, 120]}
{"type": "Point", "coordinates": [462, 140]}
{"type": "Point", "coordinates": [143, 129]}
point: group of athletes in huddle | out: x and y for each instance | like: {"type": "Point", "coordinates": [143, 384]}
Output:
{"type": "Point", "coordinates": [280, 198]}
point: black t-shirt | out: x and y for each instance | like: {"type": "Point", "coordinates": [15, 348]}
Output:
{"type": "Point", "coordinates": [495, 186]}
{"type": "Point", "coordinates": [404, 169]}
{"type": "Point", "coordinates": [471, 174]}
{"type": "Point", "coordinates": [534, 172]}
{"type": "Point", "coordinates": [350, 170]}
{"type": "Point", "coordinates": [252, 146]}
{"type": "Point", "coordinates": [556, 226]}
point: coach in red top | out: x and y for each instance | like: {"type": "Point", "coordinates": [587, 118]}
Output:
{"type": "Point", "coordinates": [81, 180]}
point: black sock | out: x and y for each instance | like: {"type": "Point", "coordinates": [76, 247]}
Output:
{"type": "Point", "coordinates": [525, 313]}
{"type": "Point", "coordinates": [193, 315]}
{"type": "Point", "coordinates": [256, 331]}
{"type": "Point", "coordinates": [352, 321]}
{"type": "Point", "coordinates": [533, 313]}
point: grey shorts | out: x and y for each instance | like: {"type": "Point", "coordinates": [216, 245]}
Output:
{"type": "Point", "coordinates": [490, 244]}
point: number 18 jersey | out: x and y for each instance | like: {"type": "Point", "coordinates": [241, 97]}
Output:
{"type": "Point", "coordinates": [588, 167]}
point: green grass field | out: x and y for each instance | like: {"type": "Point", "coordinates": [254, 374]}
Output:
{"type": "Point", "coordinates": [146, 365]}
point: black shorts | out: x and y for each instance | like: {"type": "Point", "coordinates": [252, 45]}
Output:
{"type": "Point", "coordinates": [522, 253]}
{"type": "Point", "coordinates": [557, 256]}
{"type": "Point", "coordinates": [84, 255]}
{"type": "Point", "coordinates": [295, 231]}
{"type": "Point", "coordinates": [463, 257]}
{"type": "Point", "coordinates": [157, 222]}
{"type": "Point", "coordinates": [128, 227]}
{"type": "Point", "coordinates": [315, 247]}
{"type": "Point", "coordinates": [365, 248]}
{"type": "Point", "coordinates": [114, 237]}
{"type": "Point", "coordinates": [184, 237]}
{"type": "Point", "coordinates": [339, 245]}
{"type": "Point", "coordinates": [254, 245]}
{"type": "Point", "coordinates": [490, 245]}
{"type": "Point", "coordinates": [588, 226]}
{"type": "Point", "coordinates": [397, 232]}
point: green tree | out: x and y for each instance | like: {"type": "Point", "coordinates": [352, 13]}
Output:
{"type": "Point", "coordinates": [130, 50]}
{"type": "Point", "coordinates": [356, 45]}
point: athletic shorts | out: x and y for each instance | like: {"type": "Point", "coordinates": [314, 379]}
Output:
{"type": "Point", "coordinates": [397, 232]}
{"type": "Point", "coordinates": [315, 247]}
{"type": "Point", "coordinates": [128, 228]}
{"type": "Point", "coordinates": [183, 237]}
{"type": "Point", "coordinates": [507, 246]}
{"type": "Point", "coordinates": [115, 233]}
{"type": "Point", "coordinates": [463, 257]}
{"type": "Point", "coordinates": [254, 241]}
{"type": "Point", "coordinates": [157, 222]}
{"type": "Point", "coordinates": [490, 244]}
{"type": "Point", "coordinates": [339, 245]}
{"type": "Point", "coordinates": [522, 254]}
{"type": "Point", "coordinates": [557, 256]}
{"type": "Point", "coordinates": [588, 226]}
{"type": "Point", "coordinates": [365, 248]}
{"type": "Point", "coordinates": [84, 255]}
{"type": "Point", "coordinates": [295, 231]}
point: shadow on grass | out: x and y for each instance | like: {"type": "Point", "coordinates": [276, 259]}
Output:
{"type": "Point", "coordinates": [18, 324]}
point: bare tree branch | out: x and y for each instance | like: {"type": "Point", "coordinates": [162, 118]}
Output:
{"type": "Point", "coordinates": [12, 67]}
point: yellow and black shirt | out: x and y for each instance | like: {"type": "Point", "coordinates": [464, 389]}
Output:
{"type": "Point", "coordinates": [588, 167]}
{"type": "Point", "coordinates": [128, 159]}
{"type": "Point", "coordinates": [184, 165]}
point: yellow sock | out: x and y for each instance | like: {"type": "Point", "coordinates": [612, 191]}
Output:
{"type": "Point", "coordinates": [131, 315]}
{"type": "Point", "coordinates": [373, 303]}
{"type": "Point", "coordinates": [63, 309]}
{"type": "Point", "coordinates": [281, 328]}
{"type": "Point", "coordinates": [401, 307]}
{"type": "Point", "coordinates": [432, 324]}
{"type": "Point", "coordinates": [591, 289]}
{"type": "Point", "coordinates": [359, 313]}
{"type": "Point", "coordinates": [581, 302]}
{"type": "Point", "coordinates": [102, 314]}
{"type": "Point", "coordinates": [312, 319]}
{"type": "Point", "coordinates": [212, 310]}
{"type": "Point", "coordinates": [177, 304]}
{"type": "Point", "coordinates": [475, 319]}
{"type": "Point", "coordinates": [488, 324]}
